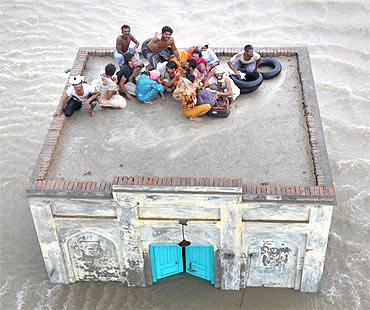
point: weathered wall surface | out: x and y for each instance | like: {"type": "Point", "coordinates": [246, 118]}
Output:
{"type": "Point", "coordinates": [79, 239]}
{"type": "Point", "coordinates": [255, 243]}
{"type": "Point", "coordinates": [284, 245]}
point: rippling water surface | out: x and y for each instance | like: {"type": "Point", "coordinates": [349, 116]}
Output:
{"type": "Point", "coordinates": [39, 39]}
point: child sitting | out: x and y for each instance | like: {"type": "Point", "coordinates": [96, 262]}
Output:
{"type": "Point", "coordinates": [171, 76]}
{"type": "Point", "coordinates": [193, 69]}
{"type": "Point", "coordinates": [147, 89]}
{"type": "Point", "coordinates": [201, 62]}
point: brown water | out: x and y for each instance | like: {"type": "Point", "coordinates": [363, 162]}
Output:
{"type": "Point", "coordinates": [40, 39]}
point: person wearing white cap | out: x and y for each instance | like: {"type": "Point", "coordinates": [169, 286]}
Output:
{"type": "Point", "coordinates": [77, 95]}
{"type": "Point", "coordinates": [221, 84]}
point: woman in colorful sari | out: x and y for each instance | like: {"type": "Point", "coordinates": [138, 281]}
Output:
{"type": "Point", "coordinates": [147, 89]}
{"type": "Point", "coordinates": [189, 106]}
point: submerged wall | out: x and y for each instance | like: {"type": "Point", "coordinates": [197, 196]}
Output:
{"type": "Point", "coordinates": [272, 244]}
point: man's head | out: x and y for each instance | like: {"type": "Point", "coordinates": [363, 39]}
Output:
{"type": "Point", "coordinates": [130, 59]}
{"type": "Point", "coordinates": [125, 30]}
{"type": "Point", "coordinates": [219, 72]}
{"type": "Point", "coordinates": [192, 63]}
{"type": "Point", "coordinates": [110, 70]}
{"type": "Point", "coordinates": [167, 33]}
{"type": "Point", "coordinates": [171, 66]}
{"type": "Point", "coordinates": [76, 81]}
{"type": "Point", "coordinates": [248, 52]}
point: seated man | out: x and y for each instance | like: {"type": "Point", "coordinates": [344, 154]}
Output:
{"type": "Point", "coordinates": [126, 76]}
{"type": "Point", "coordinates": [171, 76]}
{"type": "Point", "coordinates": [147, 88]}
{"type": "Point", "coordinates": [221, 85]}
{"type": "Point", "coordinates": [160, 48]}
{"type": "Point", "coordinates": [123, 45]}
{"type": "Point", "coordinates": [77, 95]}
{"type": "Point", "coordinates": [107, 89]}
{"type": "Point", "coordinates": [246, 62]}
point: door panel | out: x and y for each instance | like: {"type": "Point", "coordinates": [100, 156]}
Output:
{"type": "Point", "coordinates": [166, 260]}
{"type": "Point", "coordinates": [200, 261]}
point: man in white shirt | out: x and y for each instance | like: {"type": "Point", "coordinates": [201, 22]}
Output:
{"type": "Point", "coordinates": [78, 95]}
{"type": "Point", "coordinates": [246, 62]}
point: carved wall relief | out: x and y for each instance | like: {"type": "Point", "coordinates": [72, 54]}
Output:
{"type": "Point", "coordinates": [93, 258]}
{"type": "Point", "coordinates": [272, 263]}
{"type": "Point", "coordinates": [272, 257]}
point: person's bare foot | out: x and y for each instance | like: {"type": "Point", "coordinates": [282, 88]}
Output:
{"type": "Point", "coordinates": [92, 114]}
{"type": "Point", "coordinates": [150, 102]}
{"type": "Point", "coordinates": [196, 119]}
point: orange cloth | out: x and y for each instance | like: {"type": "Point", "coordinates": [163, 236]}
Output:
{"type": "Point", "coordinates": [184, 56]}
{"type": "Point", "coordinates": [184, 85]}
{"type": "Point", "coordinates": [188, 101]}
{"type": "Point", "coordinates": [198, 110]}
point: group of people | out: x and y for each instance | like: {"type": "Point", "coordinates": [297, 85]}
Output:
{"type": "Point", "coordinates": [195, 76]}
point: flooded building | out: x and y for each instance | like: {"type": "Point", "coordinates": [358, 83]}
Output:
{"type": "Point", "coordinates": [140, 194]}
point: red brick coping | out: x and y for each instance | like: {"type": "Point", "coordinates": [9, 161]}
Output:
{"type": "Point", "coordinates": [249, 192]}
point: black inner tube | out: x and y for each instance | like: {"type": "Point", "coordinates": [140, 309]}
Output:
{"type": "Point", "coordinates": [272, 63]}
{"type": "Point", "coordinates": [247, 86]}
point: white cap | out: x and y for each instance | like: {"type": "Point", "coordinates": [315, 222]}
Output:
{"type": "Point", "coordinates": [203, 44]}
{"type": "Point", "coordinates": [219, 69]}
{"type": "Point", "coordinates": [75, 80]}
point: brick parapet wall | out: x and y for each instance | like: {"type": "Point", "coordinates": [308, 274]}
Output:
{"type": "Point", "coordinates": [70, 188]}
{"type": "Point", "coordinates": [40, 186]}
{"type": "Point", "coordinates": [177, 181]}
{"type": "Point", "coordinates": [288, 193]}
{"type": "Point", "coordinates": [313, 120]}
{"type": "Point", "coordinates": [96, 189]}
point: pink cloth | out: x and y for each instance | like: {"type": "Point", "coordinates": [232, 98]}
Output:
{"type": "Point", "coordinates": [200, 60]}
{"type": "Point", "coordinates": [154, 75]}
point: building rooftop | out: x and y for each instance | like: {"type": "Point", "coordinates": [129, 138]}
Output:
{"type": "Point", "coordinates": [265, 138]}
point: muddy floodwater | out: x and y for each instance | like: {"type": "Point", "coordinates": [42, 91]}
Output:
{"type": "Point", "coordinates": [39, 40]}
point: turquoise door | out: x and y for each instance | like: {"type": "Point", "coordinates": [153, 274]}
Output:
{"type": "Point", "coordinates": [166, 260]}
{"type": "Point", "coordinates": [200, 261]}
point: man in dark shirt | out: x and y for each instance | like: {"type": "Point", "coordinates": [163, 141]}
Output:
{"type": "Point", "coordinates": [126, 76]}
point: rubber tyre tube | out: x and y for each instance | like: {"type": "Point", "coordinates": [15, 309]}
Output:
{"type": "Point", "coordinates": [274, 64]}
{"type": "Point", "coordinates": [247, 87]}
